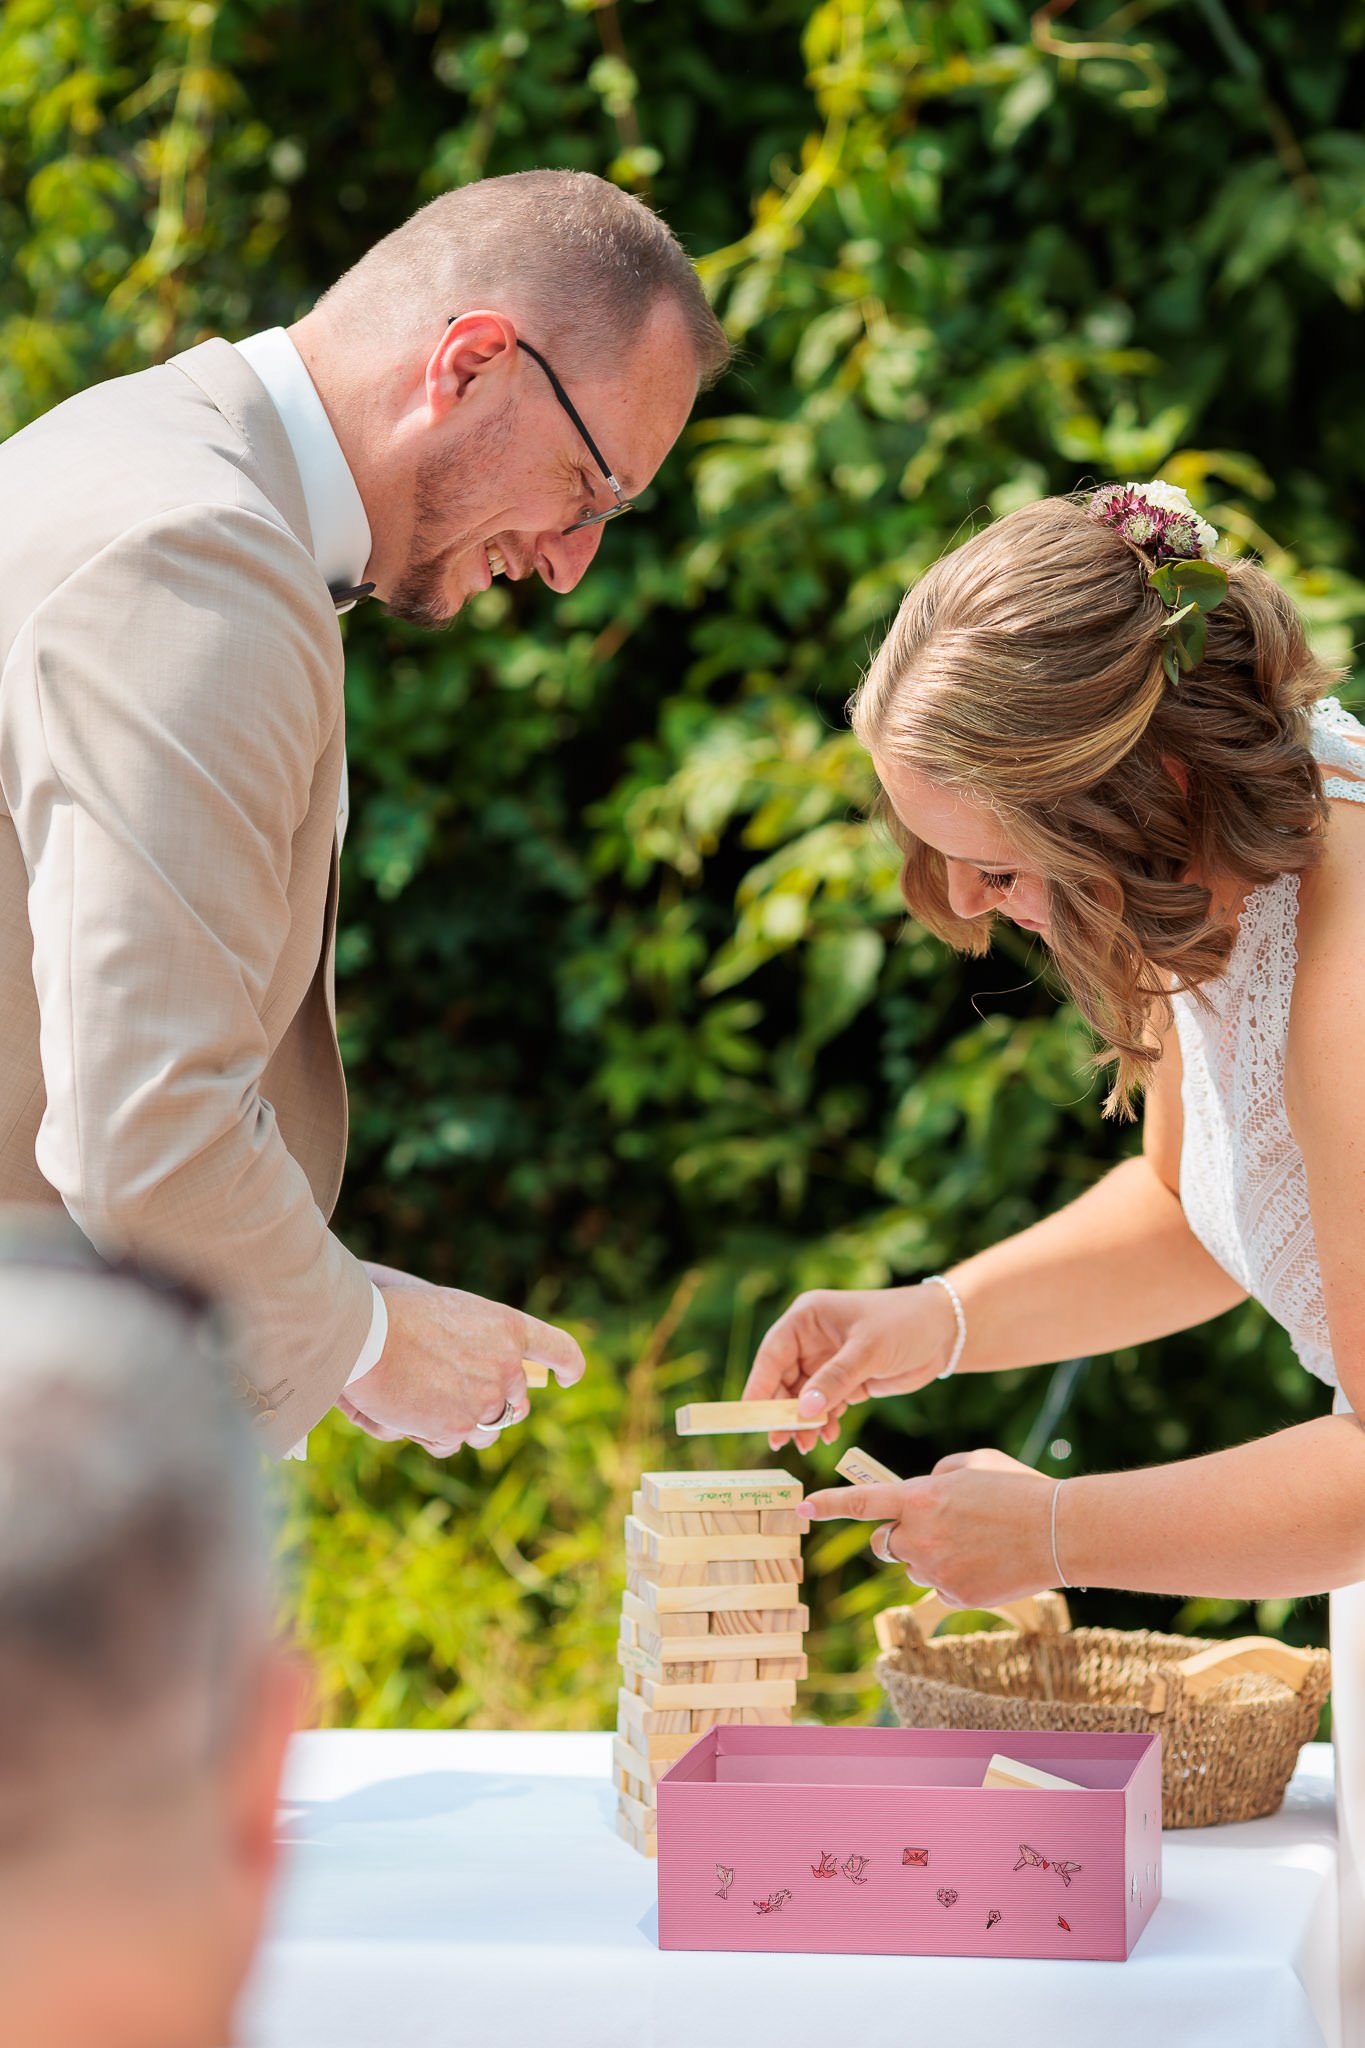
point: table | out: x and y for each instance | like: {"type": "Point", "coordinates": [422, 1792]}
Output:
{"type": "Point", "coordinates": [469, 1888]}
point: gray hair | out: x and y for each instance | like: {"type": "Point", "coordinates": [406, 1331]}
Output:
{"type": "Point", "coordinates": [588, 261]}
{"type": "Point", "coordinates": [134, 1579]}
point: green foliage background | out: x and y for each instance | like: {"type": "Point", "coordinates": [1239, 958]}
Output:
{"type": "Point", "coordinates": [635, 1031]}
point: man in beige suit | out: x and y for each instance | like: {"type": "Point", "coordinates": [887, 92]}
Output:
{"type": "Point", "coordinates": [487, 387]}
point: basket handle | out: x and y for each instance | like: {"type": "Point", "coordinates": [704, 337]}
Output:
{"type": "Point", "coordinates": [1200, 1673]}
{"type": "Point", "coordinates": [1043, 1614]}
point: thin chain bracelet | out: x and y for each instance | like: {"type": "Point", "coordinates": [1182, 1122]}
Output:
{"type": "Point", "coordinates": [959, 1317]}
{"type": "Point", "coordinates": [1056, 1562]}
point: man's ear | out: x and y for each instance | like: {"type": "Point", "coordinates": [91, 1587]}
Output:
{"type": "Point", "coordinates": [475, 347]}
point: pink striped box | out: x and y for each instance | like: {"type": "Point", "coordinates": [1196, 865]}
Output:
{"type": "Point", "coordinates": [882, 1841]}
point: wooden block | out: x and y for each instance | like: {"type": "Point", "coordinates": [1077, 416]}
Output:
{"type": "Point", "coordinates": [739, 1717]}
{"type": "Point", "coordinates": [688, 1624]}
{"type": "Point", "coordinates": [645, 1770]}
{"type": "Point", "coordinates": [731, 1670]}
{"type": "Point", "coordinates": [760, 1692]}
{"type": "Point", "coordinates": [860, 1469]}
{"type": "Point", "coordinates": [719, 1418]}
{"type": "Point", "coordinates": [782, 1522]}
{"type": "Point", "coordinates": [699, 1521]}
{"type": "Point", "coordinates": [633, 1711]}
{"type": "Point", "coordinates": [1004, 1774]}
{"type": "Point", "coordinates": [637, 1812]}
{"type": "Point", "coordinates": [656, 1549]}
{"type": "Point", "coordinates": [718, 1649]}
{"type": "Point", "coordinates": [537, 1375]}
{"type": "Point", "coordinates": [684, 1492]}
{"type": "Point", "coordinates": [675, 1598]}
{"type": "Point", "coordinates": [646, 1844]}
{"type": "Point", "coordinates": [745, 1621]}
{"type": "Point", "coordinates": [658, 1751]}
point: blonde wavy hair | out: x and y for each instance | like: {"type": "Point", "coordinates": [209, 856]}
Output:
{"type": "Point", "coordinates": [1024, 671]}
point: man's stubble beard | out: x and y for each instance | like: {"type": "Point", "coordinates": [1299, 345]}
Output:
{"type": "Point", "coordinates": [419, 597]}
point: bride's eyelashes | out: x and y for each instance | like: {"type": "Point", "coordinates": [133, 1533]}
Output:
{"type": "Point", "coordinates": [1000, 883]}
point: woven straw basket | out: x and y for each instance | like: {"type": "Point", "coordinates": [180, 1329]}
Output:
{"type": "Point", "coordinates": [1232, 1716]}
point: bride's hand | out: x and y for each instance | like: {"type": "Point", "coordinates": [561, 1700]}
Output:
{"type": "Point", "coordinates": [835, 1346]}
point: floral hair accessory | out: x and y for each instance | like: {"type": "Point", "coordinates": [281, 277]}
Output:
{"type": "Point", "coordinates": [1160, 524]}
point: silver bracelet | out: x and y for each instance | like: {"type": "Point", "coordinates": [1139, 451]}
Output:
{"type": "Point", "coordinates": [1056, 1562]}
{"type": "Point", "coordinates": [959, 1317]}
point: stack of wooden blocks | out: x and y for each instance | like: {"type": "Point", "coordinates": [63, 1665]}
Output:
{"type": "Point", "coordinates": [712, 1628]}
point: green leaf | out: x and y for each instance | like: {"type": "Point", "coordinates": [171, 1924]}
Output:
{"type": "Point", "coordinates": [1182, 584]}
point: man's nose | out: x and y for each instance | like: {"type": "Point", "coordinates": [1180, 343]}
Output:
{"type": "Point", "coordinates": [567, 556]}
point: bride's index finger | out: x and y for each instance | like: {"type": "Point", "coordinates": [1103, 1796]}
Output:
{"type": "Point", "coordinates": [855, 1504]}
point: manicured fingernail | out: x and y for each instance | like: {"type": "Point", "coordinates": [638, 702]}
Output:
{"type": "Point", "coordinates": [812, 1402]}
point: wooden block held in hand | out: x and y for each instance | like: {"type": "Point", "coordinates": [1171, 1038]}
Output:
{"type": "Point", "coordinates": [1005, 1774]}
{"type": "Point", "coordinates": [719, 1418]}
{"type": "Point", "coordinates": [860, 1469]}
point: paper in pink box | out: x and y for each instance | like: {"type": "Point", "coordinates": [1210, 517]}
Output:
{"type": "Point", "coordinates": [883, 1841]}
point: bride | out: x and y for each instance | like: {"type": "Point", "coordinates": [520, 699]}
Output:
{"type": "Point", "coordinates": [1081, 722]}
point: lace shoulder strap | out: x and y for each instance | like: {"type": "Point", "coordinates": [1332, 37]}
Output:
{"type": "Point", "coordinates": [1339, 742]}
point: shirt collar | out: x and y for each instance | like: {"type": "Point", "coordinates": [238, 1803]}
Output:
{"type": "Point", "coordinates": [336, 511]}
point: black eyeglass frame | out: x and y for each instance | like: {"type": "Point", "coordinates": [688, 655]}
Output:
{"type": "Point", "coordinates": [623, 503]}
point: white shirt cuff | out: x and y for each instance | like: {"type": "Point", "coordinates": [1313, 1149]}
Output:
{"type": "Point", "coordinates": [371, 1351]}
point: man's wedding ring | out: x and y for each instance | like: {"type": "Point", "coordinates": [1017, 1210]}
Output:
{"type": "Point", "coordinates": [881, 1543]}
{"type": "Point", "coordinates": [504, 1421]}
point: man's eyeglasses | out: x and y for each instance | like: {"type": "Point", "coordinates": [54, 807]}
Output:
{"type": "Point", "coordinates": [623, 503]}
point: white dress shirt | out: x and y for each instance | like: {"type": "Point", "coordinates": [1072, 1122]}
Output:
{"type": "Point", "coordinates": [341, 549]}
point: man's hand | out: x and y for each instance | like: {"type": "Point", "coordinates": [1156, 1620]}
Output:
{"type": "Point", "coordinates": [451, 1362]}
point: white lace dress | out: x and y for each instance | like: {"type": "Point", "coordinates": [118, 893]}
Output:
{"type": "Point", "coordinates": [1245, 1195]}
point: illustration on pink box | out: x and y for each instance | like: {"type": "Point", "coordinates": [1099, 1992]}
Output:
{"type": "Point", "coordinates": [856, 1867]}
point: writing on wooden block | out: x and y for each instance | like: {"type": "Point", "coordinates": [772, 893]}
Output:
{"type": "Point", "coordinates": [861, 1469]}
{"type": "Point", "coordinates": [1006, 1774]}
{"type": "Point", "coordinates": [672, 1493]}
{"type": "Point", "coordinates": [719, 1418]}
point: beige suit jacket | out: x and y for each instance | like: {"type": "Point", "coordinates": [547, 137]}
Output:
{"type": "Point", "coordinates": [172, 737]}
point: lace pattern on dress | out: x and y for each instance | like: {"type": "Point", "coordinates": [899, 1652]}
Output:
{"type": "Point", "coordinates": [1242, 1179]}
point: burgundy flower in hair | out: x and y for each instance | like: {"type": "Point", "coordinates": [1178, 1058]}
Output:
{"type": "Point", "coordinates": [1160, 522]}
{"type": "Point", "coordinates": [1156, 518]}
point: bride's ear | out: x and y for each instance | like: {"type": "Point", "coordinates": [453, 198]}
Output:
{"type": "Point", "coordinates": [1178, 772]}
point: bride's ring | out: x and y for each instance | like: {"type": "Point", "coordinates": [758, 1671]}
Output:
{"type": "Point", "coordinates": [504, 1421]}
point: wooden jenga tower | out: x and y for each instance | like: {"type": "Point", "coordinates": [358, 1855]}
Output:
{"type": "Point", "coordinates": [712, 1628]}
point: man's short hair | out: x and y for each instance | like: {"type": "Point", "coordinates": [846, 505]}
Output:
{"type": "Point", "coordinates": [134, 1581]}
{"type": "Point", "coordinates": [586, 260]}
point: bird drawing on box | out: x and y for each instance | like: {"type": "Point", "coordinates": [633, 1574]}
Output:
{"type": "Point", "coordinates": [1036, 1862]}
{"type": "Point", "coordinates": [727, 1878]}
{"type": "Point", "coordinates": [773, 1903]}
{"type": "Point", "coordinates": [855, 1867]}
{"type": "Point", "coordinates": [828, 1866]}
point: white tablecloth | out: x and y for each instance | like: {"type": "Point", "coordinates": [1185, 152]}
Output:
{"type": "Point", "coordinates": [469, 1888]}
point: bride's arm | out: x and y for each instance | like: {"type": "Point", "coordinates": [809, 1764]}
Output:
{"type": "Point", "coordinates": [1119, 1265]}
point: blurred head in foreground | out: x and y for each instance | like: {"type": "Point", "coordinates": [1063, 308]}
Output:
{"type": "Point", "coordinates": [144, 1708]}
